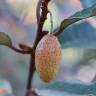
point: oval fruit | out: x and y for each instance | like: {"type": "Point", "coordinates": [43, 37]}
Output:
{"type": "Point", "coordinates": [48, 57]}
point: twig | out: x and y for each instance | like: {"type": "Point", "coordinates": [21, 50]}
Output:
{"type": "Point", "coordinates": [38, 10]}
{"type": "Point", "coordinates": [39, 35]}
{"type": "Point", "coordinates": [31, 73]}
{"type": "Point", "coordinates": [20, 51]}
{"type": "Point", "coordinates": [43, 17]}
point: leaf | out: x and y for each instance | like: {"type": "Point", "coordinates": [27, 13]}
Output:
{"type": "Point", "coordinates": [71, 87]}
{"type": "Point", "coordinates": [86, 13]}
{"type": "Point", "coordinates": [68, 88]}
{"type": "Point", "coordinates": [5, 39]}
{"type": "Point", "coordinates": [81, 35]}
{"type": "Point", "coordinates": [47, 92]}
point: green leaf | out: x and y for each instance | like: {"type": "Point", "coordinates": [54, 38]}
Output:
{"type": "Point", "coordinates": [5, 39]}
{"type": "Point", "coordinates": [85, 13]}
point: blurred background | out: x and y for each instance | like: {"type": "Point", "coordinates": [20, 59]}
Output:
{"type": "Point", "coordinates": [18, 20]}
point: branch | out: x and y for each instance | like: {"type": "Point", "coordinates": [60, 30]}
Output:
{"type": "Point", "coordinates": [38, 11]}
{"type": "Point", "coordinates": [44, 8]}
{"type": "Point", "coordinates": [20, 51]}
{"type": "Point", "coordinates": [43, 17]}
{"type": "Point", "coordinates": [43, 4]}
{"type": "Point", "coordinates": [30, 74]}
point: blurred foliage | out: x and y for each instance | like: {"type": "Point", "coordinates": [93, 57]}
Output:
{"type": "Point", "coordinates": [5, 88]}
{"type": "Point", "coordinates": [86, 13]}
{"type": "Point", "coordinates": [87, 3]}
{"type": "Point", "coordinates": [76, 87]}
{"type": "Point", "coordinates": [68, 88]}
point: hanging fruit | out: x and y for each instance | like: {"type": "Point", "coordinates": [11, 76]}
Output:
{"type": "Point", "coordinates": [48, 57]}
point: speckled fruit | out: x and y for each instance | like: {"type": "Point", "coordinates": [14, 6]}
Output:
{"type": "Point", "coordinates": [48, 57]}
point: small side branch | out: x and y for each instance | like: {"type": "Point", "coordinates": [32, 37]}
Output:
{"type": "Point", "coordinates": [20, 51]}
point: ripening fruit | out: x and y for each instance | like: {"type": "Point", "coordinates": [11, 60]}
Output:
{"type": "Point", "coordinates": [48, 57]}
